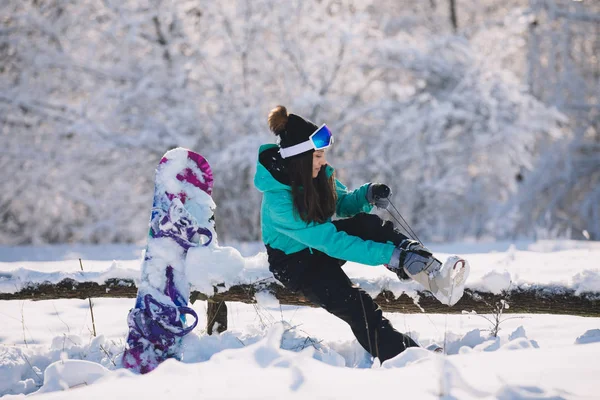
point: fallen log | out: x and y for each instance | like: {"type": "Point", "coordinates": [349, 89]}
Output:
{"type": "Point", "coordinates": [533, 300]}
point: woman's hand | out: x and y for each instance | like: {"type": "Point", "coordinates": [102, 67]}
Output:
{"type": "Point", "coordinates": [378, 194]}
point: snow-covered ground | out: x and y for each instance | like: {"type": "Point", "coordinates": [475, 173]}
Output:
{"type": "Point", "coordinates": [274, 351]}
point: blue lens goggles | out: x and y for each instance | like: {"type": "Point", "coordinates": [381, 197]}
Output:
{"type": "Point", "coordinates": [320, 139]}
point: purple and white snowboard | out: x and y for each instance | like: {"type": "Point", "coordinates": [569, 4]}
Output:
{"type": "Point", "coordinates": [181, 218]}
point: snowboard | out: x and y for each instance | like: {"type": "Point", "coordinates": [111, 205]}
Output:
{"type": "Point", "coordinates": [181, 218]}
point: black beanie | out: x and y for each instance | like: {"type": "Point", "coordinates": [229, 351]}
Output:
{"type": "Point", "coordinates": [297, 130]}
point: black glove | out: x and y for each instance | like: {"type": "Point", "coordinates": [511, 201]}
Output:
{"type": "Point", "coordinates": [378, 194]}
{"type": "Point", "coordinates": [415, 246]}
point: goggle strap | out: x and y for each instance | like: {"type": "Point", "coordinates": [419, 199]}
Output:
{"type": "Point", "coordinates": [296, 149]}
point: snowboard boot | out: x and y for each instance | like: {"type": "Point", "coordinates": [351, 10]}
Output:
{"type": "Point", "coordinates": [400, 272]}
{"type": "Point", "coordinates": [446, 282]}
{"type": "Point", "coordinates": [411, 255]}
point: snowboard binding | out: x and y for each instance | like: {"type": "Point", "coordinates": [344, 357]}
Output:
{"type": "Point", "coordinates": [160, 323]}
{"type": "Point", "coordinates": [178, 224]}
{"type": "Point", "coordinates": [153, 331]}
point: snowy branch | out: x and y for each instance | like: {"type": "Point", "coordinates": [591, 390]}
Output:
{"type": "Point", "coordinates": [533, 300]}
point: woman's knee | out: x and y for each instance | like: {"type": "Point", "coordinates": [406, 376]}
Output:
{"type": "Point", "coordinates": [370, 222]}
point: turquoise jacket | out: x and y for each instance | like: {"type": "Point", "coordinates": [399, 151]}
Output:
{"type": "Point", "coordinates": [283, 229]}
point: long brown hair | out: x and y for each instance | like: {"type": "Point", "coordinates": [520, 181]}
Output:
{"type": "Point", "coordinates": [315, 199]}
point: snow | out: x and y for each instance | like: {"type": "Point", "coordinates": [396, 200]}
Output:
{"type": "Point", "coordinates": [66, 374]}
{"type": "Point", "coordinates": [280, 361]}
{"type": "Point", "coordinates": [553, 265]}
{"type": "Point", "coordinates": [278, 351]}
{"type": "Point", "coordinates": [213, 265]}
{"type": "Point", "coordinates": [12, 281]}
{"type": "Point", "coordinates": [591, 336]}
{"type": "Point", "coordinates": [495, 282]}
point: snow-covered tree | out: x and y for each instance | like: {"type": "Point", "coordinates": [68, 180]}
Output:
{"type": "Point", "coordinates": [564, 43]}
{"type": "Point", "coordinates": [458, 134]}
{"type": "Point", "coordinates": [93, 93]}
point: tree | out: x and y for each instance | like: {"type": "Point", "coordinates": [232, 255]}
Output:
{"type": "Point", "coordinates": [459, 132]}
{"type": "Point", "coordinates": [566, 202]}
{"type": "Point", "coordinates": [97, 92]}
{"type": "Point", "coordinates": [93, 93]}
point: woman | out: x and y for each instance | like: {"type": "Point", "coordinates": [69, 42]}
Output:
{"type": "Point", "coordinates": [306, 249]}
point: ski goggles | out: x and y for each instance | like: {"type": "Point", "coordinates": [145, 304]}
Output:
{"type": "Point", "coordinates": [318, 140]}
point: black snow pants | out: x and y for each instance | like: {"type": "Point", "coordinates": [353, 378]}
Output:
{"type": "Point", "coordinates": [322, 281]}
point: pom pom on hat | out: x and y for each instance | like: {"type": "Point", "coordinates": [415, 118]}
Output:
{"type": "Point", "coordinates": [291, 129]}
{"type": "Point", "coordinates": [278, 118]}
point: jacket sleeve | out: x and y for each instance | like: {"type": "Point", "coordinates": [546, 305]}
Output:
{"type": "Point", "coordinates": [350, 203]}
{"type": "Point", "coordinates": [326, 238]}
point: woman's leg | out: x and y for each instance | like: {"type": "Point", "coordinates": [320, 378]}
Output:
{"type": "Point", "coordinates": [322, 281]}
{"type": "Point", "coordinates": [325, 284]}
{"type": "Point", "coordinates": [370, 227]}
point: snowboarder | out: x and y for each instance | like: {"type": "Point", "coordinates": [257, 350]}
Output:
{"type": "Point", "coordinates": [306, 248]}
